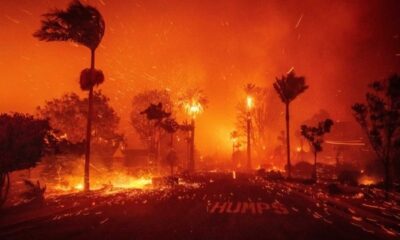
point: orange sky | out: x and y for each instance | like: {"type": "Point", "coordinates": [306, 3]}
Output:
{"type": "Point", "coordinates": [219, 46]}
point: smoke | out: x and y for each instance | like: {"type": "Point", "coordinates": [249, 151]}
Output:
{"type": "Point", "coordinates": [339, 46]}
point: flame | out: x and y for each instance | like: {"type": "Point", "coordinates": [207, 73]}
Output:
{"type": "Point", "coordinates": [234, 140]}
{"type": "Point", "coordinates": [79, 186]}
{"type": "Point", "coordinates": [113, 180]}
{"type": "Point", "coordinates": [127, 182]}
{"type": "Point", "coordinates": [194, 108]}
{"type": "Point", "coordinates": [275, 168]}
{"type": "Point", "coordinates": [250, 102]}
{"type": "Point", "coordinates": [366, 180]}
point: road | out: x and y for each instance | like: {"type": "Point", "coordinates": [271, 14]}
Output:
{"type": "Point", "coordinates": [215, 207]}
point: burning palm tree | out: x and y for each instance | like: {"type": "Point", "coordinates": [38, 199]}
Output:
{"type": "Point", "coordinates": [249, 89]}
{"type": "Point", "coordinates": [193, 103]}
{"type": "Point", "coordinates": [82, 24]}
{"type": "Point", "coordinates": [288, 88]}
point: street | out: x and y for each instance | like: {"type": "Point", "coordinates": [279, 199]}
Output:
{"type": "Point", "coordinates": [214, 207]}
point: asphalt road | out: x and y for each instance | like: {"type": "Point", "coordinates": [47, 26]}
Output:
{"type": "Point", "coordinates": [217, 207]}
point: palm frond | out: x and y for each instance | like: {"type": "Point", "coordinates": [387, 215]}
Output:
{"type": "Point", "coordinates": [290, 86]}
{"type": "Point", "coordinates": [79, 23]}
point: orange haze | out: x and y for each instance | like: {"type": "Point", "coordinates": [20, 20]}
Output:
{"type": "Point", "coordinates": [219, 46]}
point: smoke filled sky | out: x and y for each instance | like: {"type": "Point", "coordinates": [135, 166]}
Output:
{"type": "Point", "coordinates": [219, 46]}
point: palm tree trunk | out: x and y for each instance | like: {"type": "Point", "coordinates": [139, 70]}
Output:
{"type": "Point", "coordinates": [248, 142]}
{"type": "Point", "coordinates": [89, 124]}
{"type": "Point", "coordinates": [158, 150]}
{"type": "Point", "coordinates": [191, 157]}
{"type": "Point", "coordinates": [289, 167]}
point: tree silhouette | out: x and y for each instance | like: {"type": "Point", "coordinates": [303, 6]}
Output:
{"type": "Point", "coordinates": [315, 137]}
{"type": "Point", "coordinates": [84, 25]}
{"type": "Point", "coordinates": [380, 119]}
{"type": "Point", "coordinates": [192, 102]}
{"type": "Point", "coordinates": [171, 126]}
{"type": "Point", "coordinates": [263, 116]}
{"type": "Point", "coordinates": [171, 159]}
{"type": "Point", "coordinates": [288, 88]}
{"type": "Point", "coordinates": [23, 141]}
{"type": "Point", "coordinates": [155, 112]}
{"type": "Point", "coordinates": [145, 128]}
{"type": "Point", "coordinates": [68, 116]}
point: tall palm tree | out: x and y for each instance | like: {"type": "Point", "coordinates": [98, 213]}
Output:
{"type": "Point", "coordinates": [82, 24]}
{"type": "Point", "coordinates": [249, 89]}
{"type": "Point", "coordinates": [288, 88]}
{"type": "Point", "coordinates": [193, 102]}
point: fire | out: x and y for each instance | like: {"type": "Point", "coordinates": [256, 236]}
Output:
{"type": "Point", "coordinates": [249, 102]}
{"type": "Point", "coordinates": [193, 108]}
{"type": "Point", "coordinates": [79, 186]}
{"type": "Point", "coordinates": [275, 168]}
{"type": "Point", "coordinates": [127, 182]}
{"type": "Point", "coordinates": [112, 180]}
{"type": "Point", "coordinates": [367, 181]}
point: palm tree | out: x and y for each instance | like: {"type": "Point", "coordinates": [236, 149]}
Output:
{"type": "Point", "coordinates": [82, 24]}
{"type": "Point", "coordinates": [288, 88]}
{"type": "Point", "coordinates": [193, 102]}
{"type": "Point", "coordinates": [249, 89]}
{"type": "Point", "coordinates": [315, 137]}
